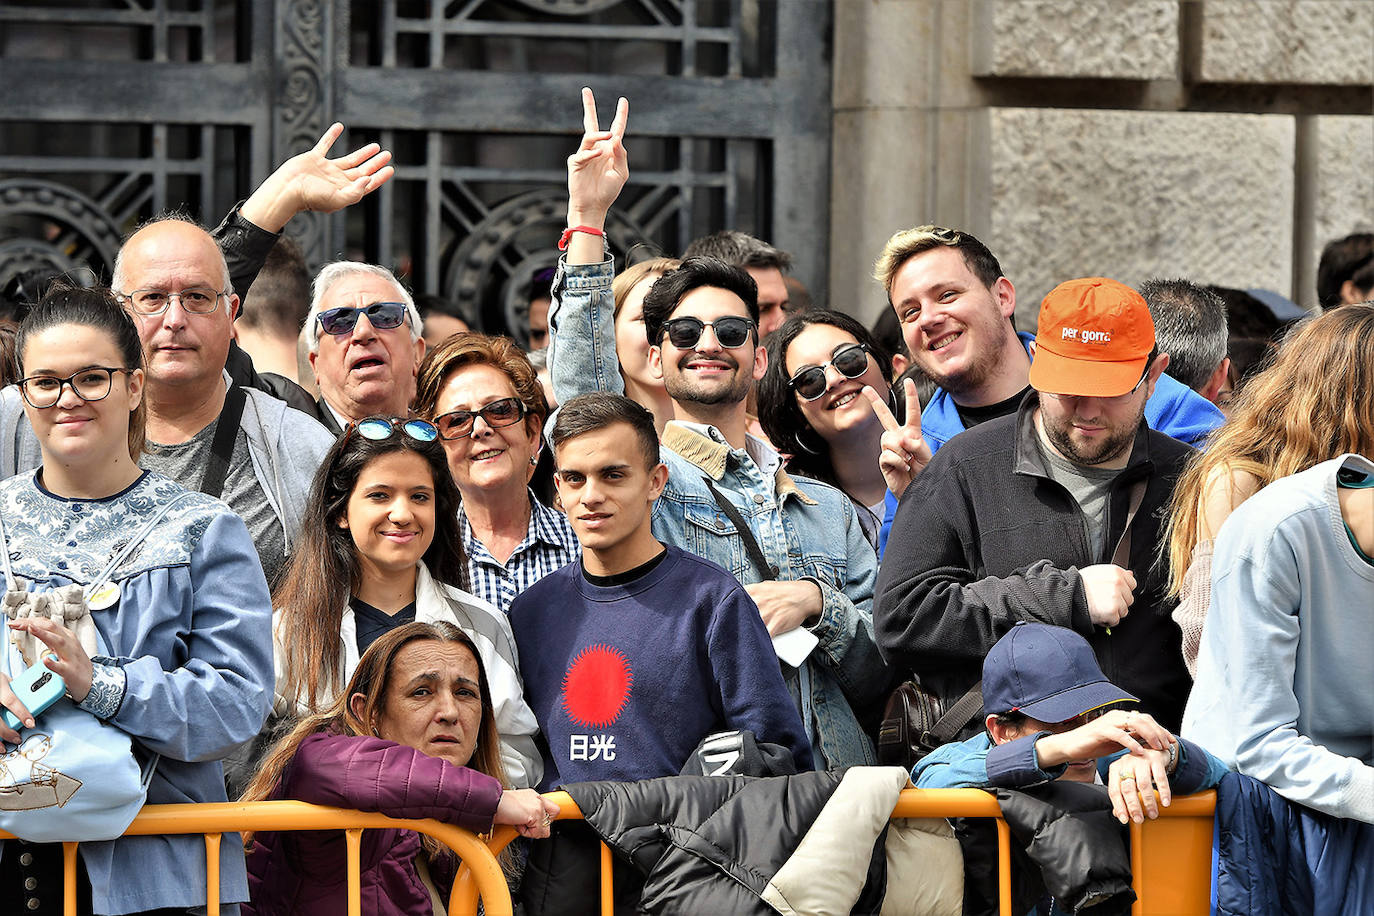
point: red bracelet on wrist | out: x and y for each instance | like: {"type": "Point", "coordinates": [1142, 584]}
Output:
{"type": "Point", "coordinates": [568, 234]}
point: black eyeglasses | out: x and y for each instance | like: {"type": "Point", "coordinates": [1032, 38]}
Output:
{"type": "Point", "coordinates": [731, 331]}
{"type": "Point", "coordinates": [382, 315]}
{"type": "Point", "coordinates": [90, 384]}
{"type": "Point", "coordinates": [851, 361]}
{"type": "Point", "coordinates": [378, 428]}
{"type": "Point", "coordinates": [457, 424]}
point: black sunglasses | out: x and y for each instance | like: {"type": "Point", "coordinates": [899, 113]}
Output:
{"type": "Point", "coordinates": [851, 361]}
{"type": "Point", "coordinates": [382, 315]}
{"type": "Point", "coordinates": [457, 424]}
{"type": "Point", "coordinates": [684, 333]}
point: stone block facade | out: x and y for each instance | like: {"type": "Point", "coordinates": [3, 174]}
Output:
{"type": "Point", "coordinates": [1105, 39]}
{"type": "Point", "coordinates": [1222, 140]}
{"type": "Point", "coordinates": [1283, 41]}
{"type": "Point", "coordinates": [1121, 193]}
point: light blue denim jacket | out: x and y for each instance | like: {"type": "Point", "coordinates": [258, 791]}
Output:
{"type": "Point", "coordinates": [805, 528]}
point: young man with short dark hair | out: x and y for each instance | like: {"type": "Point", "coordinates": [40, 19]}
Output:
{"type": "Point", "coordinates": [636, 628]}
{"type": "Point", "coordinates": [636, 653]}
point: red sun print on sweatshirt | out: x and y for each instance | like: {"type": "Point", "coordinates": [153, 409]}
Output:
{"type": "Point", "coordinates": [597, 686]}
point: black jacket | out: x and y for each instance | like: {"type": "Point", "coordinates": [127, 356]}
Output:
{"type": "Point", "coordinates": [746, 845]}
{"type": "Point", "coordinates": [1065, 845]}
{"type": "Point", "coordinates": [984, 537]}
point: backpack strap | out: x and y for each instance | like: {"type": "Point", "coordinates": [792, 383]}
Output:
{"type": "Point", "coordinates": [222, 448]}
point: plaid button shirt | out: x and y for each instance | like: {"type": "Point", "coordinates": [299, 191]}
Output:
{"type": "Point", "coordinates": [550, 544]}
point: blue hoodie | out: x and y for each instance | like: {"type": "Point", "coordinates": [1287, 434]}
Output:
{"type": "Point", "coordinates": [1174, 409]}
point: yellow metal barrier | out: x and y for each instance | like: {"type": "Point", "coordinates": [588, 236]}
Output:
{"type": "Point", "coordinates": [482, 874]}
{"type": "Point", "coordinates": [1171, 858]}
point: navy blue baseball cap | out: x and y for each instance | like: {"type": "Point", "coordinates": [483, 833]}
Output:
{"type": "Point", "coordinates": [1047, 673]}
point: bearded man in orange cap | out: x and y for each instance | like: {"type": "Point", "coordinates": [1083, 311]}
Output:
{"type": "Point", "coordinates": [1050, 515]}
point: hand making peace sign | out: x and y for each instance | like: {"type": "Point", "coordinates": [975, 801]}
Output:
{"type": "Point", "coordinates": [600, 167]}
{"type": "Point", "coordinates": [905, 452]}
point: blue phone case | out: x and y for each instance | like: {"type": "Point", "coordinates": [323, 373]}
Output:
{"type": "Point", "coordinates": [37, 688]}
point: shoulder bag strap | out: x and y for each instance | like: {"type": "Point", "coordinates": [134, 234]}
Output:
{"type": "Point", "coordinates": [1122, 555]}
{"type": "Point", "coordinates": [134, 542]}
{"type": "Point", "coordinates": [751, 546]}
{"type": "Point", "coordinates": [958, 715]}
{"type": "Point", "coordinates": [222, 448]}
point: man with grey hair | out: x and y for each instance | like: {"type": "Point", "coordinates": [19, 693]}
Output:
{"type": "Point", "coordinates": [1190, 324]}
{"type": "Point", "coordinates": [763, 262]}
{"type": "Point", "coordinates": [364, 336]}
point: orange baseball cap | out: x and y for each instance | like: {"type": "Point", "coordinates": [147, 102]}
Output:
{"type": "Point", "coordinates": [1094, 339]}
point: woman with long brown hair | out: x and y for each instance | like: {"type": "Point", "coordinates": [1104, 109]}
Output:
{"type": "Point", "coordinates": [412, 735]}
{"type": "Point", "coordinates": [1314, 402]}
{"type": "Point", "coordinates": [379, 547]}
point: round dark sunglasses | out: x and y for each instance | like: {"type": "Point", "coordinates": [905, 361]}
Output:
{"type": "Point", "coordinates": [379, 428]}
{"type": "Point", "coordinates": [457, 424]}
{"type": "Point", "coordinates": [850, 361]}
{"type": "Point", "coordinates": [382, 315]}
{"type": "Point", "coordinates": [731, 331]}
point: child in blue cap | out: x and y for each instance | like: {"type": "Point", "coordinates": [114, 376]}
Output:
{"type": "Point", "coordinates": [1052, 714]}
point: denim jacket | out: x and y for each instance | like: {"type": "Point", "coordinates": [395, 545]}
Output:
{"type": "Point", "coordinates": [805, 528]}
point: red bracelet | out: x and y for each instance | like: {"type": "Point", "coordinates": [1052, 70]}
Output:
{"type": "Point", "coordinates": [568, 234]}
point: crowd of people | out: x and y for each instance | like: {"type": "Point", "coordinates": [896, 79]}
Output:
{"type": "Point", "coordinates": [1128, 549]}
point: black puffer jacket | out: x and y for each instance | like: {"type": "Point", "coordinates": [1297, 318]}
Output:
{"type": "Point", "coordinates": [984, 537]}
{"type": "Point", "coordinates": [1065, 845]}
{"type": "Point", "coordinates": [814, 842]}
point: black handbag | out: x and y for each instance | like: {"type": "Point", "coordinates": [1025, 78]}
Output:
{"type": "Point", "coordinates": [915, 722]}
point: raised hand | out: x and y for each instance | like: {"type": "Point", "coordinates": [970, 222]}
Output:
{"type": "Point", "coordinates": [313, 181]}
{"type": "Point", "coordinates": [905, 452]}
{"type": "Point", "coordinates": [600, 167]}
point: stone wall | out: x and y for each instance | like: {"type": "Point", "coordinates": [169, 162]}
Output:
{"type": "Point", "coordinates": [1221, 140]}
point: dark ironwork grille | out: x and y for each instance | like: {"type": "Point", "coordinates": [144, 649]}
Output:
{"type": "Point", "coordinates": [116, 110]}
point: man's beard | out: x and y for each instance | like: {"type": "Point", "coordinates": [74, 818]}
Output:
{"type": "Point", "coordinates": [691, 391]}
{"type": "Point", "coordinates": [1104, 451]}
{"type": "Point", "coordinates": [981, 366]}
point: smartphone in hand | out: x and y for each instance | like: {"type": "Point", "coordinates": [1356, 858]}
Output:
{"type": "Point", "coordinates": [37, 688]}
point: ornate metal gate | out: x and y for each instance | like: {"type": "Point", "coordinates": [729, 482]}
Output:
{"type": "Point", "coordinates": [112, 110]}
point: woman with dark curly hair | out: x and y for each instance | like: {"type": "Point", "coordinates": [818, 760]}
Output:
{"type": "Point", "coordinates": [811, 405]}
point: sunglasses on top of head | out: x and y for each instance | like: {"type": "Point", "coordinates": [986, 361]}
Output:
{"type": "Point", "coordinates": [850, 360]}
{"type": "Point", "coordinates": [378, 428]}
{"type": "Point", "coordinates": [731, 331]}
{"type": "Point", "coordinates": [381, 315]}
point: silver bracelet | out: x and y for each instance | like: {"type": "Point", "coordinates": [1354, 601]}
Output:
{"type": "Point", "coordinates": [1173, 757]}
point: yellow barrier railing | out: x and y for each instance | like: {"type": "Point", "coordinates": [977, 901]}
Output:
{"type": "Point", "coordinates": [480, 868]}
{"type": "Point", "coordinates": [1171, 859]}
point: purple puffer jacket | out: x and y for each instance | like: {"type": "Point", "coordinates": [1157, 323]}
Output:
{"type": "Point", "coordinates": [306, 872]}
